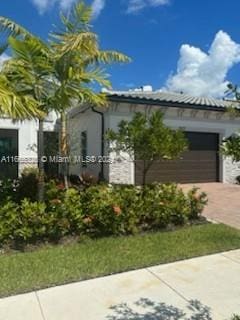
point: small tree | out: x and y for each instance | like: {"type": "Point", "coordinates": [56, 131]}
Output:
{"type": "Point", "coordinates": [231, 145]}
{"type": "Point", "coordinates": [78, 61]}
{"type": "Point", "coordinates": [147, 139]}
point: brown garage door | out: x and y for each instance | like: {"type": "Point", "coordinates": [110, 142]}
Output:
{"type": "Point", "coordinates": [199, 164]}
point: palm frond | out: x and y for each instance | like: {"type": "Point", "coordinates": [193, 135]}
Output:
{"type": "Point", "coordinates": [78, 19]}
{"type": "Point", "coordinates": [107, 57]}
{"type": "Point", "coordinates": [83, 42]}
{"type": "Point", "coordinates": [95, 75]}
{"type": "Point", "coordinates": [12, 28]}
{"type": "Point", "coordinates": [16, 105]}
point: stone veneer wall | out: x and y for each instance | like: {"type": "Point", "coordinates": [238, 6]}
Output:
{"type": "Point", "coordinates": [121, 170]}
{"type": "Point", "coordinates": [232, 170]}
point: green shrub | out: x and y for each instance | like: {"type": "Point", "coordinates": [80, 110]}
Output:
{"type": "Point", "coordinates": [54, 189]}
{"type": "Point", "coordinates": [165, 204]}
{"type": "Point", "coordinates": [28, 184]}
{"type": "Point", "coordinates": [8, 190]}
{"type": "Point", "coordinates": [32, 222]}
{"type": "Point", "coordinates": [99, 210]}
{"type": "Point", "coordinates": [101, 207]}
{"type": "Point", "coordinates": [132, 212]}
{"type": "Point", "coordinates": [67, 213]}
{"type": "Point", "coordinates": [24, 187]}
{"type": "Point", "coordinates": [8, 221]}
{"type": "Point", "coordinates": [197, 201]}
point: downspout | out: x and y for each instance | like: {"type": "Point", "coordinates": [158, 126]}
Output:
{"type": "Point", "coordinates": [101, 175]}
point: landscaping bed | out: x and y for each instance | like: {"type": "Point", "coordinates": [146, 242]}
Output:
{"type": "Point", "coordinates": [54, 265]}
{"type": "Point", "coordinates": [94, 211]}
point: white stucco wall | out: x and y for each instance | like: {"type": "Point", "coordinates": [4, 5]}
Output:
{"type": "Point", "coordinates": [91, 123]}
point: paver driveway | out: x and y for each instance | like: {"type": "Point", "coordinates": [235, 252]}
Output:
{"type": "Point", "coordinates": [224, 202]}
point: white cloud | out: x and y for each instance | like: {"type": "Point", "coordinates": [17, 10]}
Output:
{"type": "Point", "coordinates": [133, 6]}
{"type": "Point", "coordinates": [66, 4]}
{"type": "Point", "coordinates": [137, 5]}
{"type": "Point", "coordinates": [44, 5]}
{"type": "Point", "coordinates": [98, 6]}
{"type": "Point", "coordinates": [204, 74]}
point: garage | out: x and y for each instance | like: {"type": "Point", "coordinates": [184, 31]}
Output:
{"type": "Point", "coordinates": [199, 164]}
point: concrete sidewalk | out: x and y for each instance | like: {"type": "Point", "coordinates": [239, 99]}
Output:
{"type": "Point", "coordinates": [201, 288]}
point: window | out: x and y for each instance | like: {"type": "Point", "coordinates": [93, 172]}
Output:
{"type": "Point", "coordinates": [8, 148]}
{"type": "Point", "coordinates": [84, 147]}
{"type": "Point", "coordinates": [5, 147]}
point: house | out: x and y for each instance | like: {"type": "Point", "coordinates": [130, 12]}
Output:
{"type": "Point", "coordinates": [18, 144]}
{"type": "Point", "coordinates": [204, 120]}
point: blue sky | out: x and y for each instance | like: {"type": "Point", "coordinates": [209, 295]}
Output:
{"type": "Point", "coordinates": [179, 45]}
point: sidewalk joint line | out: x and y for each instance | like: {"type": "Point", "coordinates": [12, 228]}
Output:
{"type": "Point", "coordinates": [168, 285]}
{"type": "Point", "coordinates": [229, 258]}
{"type": "Point", "coordinates": [40, 306]}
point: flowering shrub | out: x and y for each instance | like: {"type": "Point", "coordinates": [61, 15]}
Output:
{"type": "Point", "coordinates": [102, 210]}
{"type": "Point", "coordinates": [99, 210]}
{"type": "Point", "coordinates": [165, 204]}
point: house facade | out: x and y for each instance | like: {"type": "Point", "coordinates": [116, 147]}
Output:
{"type": "Point", "coordinates": [204, 120]}
{"type": "Point", "coordinates": [18, 144]}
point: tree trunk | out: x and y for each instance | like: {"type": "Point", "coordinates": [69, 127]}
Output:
{"type": "Point", "coordinates": [41, 173]}
{"type": "Point", "coordinates": [64, 148]}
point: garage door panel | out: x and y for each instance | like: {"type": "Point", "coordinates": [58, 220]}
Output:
{"type": "Point", "coordinates": [195, 165]}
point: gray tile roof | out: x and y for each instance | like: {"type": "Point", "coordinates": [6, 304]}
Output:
{"type": "Point", "coordinates": [178, 99]}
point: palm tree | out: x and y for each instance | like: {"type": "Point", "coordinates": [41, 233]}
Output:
{"type": "Point", "coordinates": [69, 66]}
{"type": "Point", "coordinates": [30, 71]}
{"type": "Point", "coordinates": [77, 65]}
{"type": "Point", "coordinates": [26, 73]}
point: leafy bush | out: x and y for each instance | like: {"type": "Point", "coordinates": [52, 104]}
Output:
{"type": "Point", "coordinates": [67, 214]}
{"type": "Point", "coordinates": [8, 221]}
{"type": "Point", "coordinates": [17, 190]}
{"type": "Point", "coordinates": [8, 190]}
{"type": "Point", "coordinates": [99, 210]}
{"type": "Point", "coordinates": [31, 222]}
{"type": "Point", "coordinates": [101, 206]}
{"type": "Point", "coordinates": [197, 201]}
{"type": "Point", "coordinates": [28, 184]}
{"type": "Point", "coordinates": [165, 204]}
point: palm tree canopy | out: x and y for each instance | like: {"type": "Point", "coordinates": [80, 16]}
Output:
{"type": "Point", "coordinates": [64, 70]}
{"type": "Point", "coordinates": [79, 59]}
{"type": "Point", "coordinates": [16, 99]}
{"type": "Point", "coordinates": [30, 69]}
{"type": "Point", "coordinates": [16, 105]}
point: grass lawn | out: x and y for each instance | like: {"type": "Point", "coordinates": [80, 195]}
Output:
{"type": "Point", "coordinates": [54, 265]}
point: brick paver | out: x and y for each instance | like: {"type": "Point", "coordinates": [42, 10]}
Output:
{"type": "Point", "coordinates": [224, 202]}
